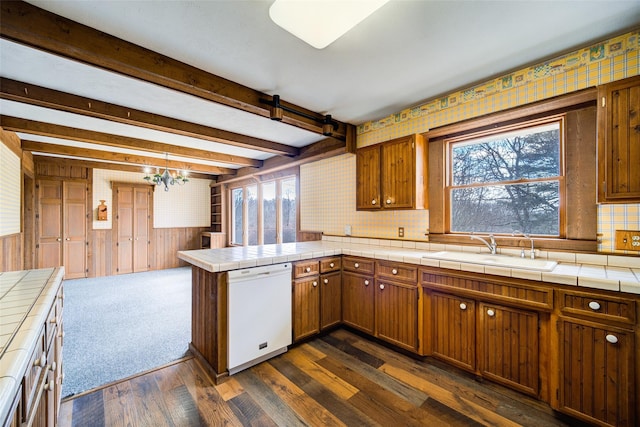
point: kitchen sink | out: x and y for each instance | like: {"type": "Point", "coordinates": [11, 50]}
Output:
{"type": "Point", "coordinates": [494, 260]}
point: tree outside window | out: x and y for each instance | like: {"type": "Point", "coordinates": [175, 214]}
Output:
{"type": "Point", "coordinates": [508, 182]}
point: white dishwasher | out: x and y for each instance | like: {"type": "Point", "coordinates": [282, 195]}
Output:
{"type": "Point", "coordinates": [259, 313]}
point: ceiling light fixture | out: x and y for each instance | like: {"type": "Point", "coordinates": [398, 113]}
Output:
{"type": "Point", "coordinates": [321, 22]}
{"type": "Point", "coordinates": [166, 178]}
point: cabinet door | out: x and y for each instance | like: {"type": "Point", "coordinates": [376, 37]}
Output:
{"type": "Point", "coordinates": [357, 301]}
{"type": "Point", "coordinates": [330, 299]}
{"type": "Point", "coordinates": [124, 218]}
{"type": "Point", "coordinates": [50, 224]}
{"type": "Point", "coordinates": [454, 332]}
{"type": "Point", "coordinates": [75, 229]}
{"type": "Point", "coordinates": [368, 178]}
{"type": "Point", "coordinates": [508, 347]}
{"type": "Point", "coordinates": [596, 373]}
{"type": "Point", "coordinates": [396, 313]}
{"type": "Point", "coordinates": [306, 308]}
{"type": "Point", "coordinates": [619, 141]}
{"type": "Point", "coordinates": [398, 172]}
{"type": "Point", "coordinates": [141, 236]}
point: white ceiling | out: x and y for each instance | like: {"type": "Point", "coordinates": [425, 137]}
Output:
{"type": "Point", "coordinates": [405, 53]}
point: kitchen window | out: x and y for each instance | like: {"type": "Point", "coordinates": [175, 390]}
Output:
{"type": "Point", "coordinates": [510, 181]}
{"type": "Point", "coordinates": [264, 213]}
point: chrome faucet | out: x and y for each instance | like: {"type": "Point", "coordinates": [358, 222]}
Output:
{"type": "Point", "coordinates": [492, 246]}
{"type": "Point", "coordinates": [533, 251]}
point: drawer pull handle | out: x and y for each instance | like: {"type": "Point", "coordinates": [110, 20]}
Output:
{"type": "Point", "coordinates": [611, 338]}
{"type": "Point", "coordinates": [356, 265]}
{"type": "Point", "coordinates": [463, 306]}
{"type": "Point", "coordinates": [381, 287]}
{"type": "Point", "coordinates": [491, 313]}
{"type": "Point", "coordinates": [308, 269]}
{"type": "Point", "coordinates": [594, 305]}
{"type": "Point", "coordinates": [332, 265]}
{"type": "Point", "coordinates": [394, 271]}
{"type": "Point", "coordinates": [326, 281]}
{"type": "Point", "coordinates": [366, 283]}
{"type": "Point", "coordinates": [40, 362]}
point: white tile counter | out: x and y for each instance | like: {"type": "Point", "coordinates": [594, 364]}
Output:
{"type": "Point", "coordinates": [25, 300]}
{"type": "Point", "coordinates": [608, 272]}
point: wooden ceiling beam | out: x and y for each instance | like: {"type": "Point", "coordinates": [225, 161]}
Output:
{"type": "Point", "coordinates": [16, 124]}
{"type": "Point", "coordinates": [29, 25]}
{"type": "Point", "coordinates": [48, 98]}
{"type": "Point", "coordinates": [107, 156]}
{"type": "Point", "coordinates": [39, 158]}
{"type": "Point", "coordinates": [324, 149]}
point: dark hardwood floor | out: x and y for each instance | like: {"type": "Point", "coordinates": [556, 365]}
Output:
{"type": "Point", "coordinates": [339, 379]}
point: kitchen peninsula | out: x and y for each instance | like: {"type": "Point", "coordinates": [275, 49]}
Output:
{"type": "Point", "coordinates": [31, 338]}
{"type": "Point", "coordinates": [565, 336]}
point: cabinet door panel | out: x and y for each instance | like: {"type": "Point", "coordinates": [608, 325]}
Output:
{"type": "Point", "coordinates": [141, 230]}
{"type": "Point", "coordinates": [358, 301]}
{"type": "Point", "coordinates": [331, 300]}
{"type": "Point", "coordinates": [508, 351]}
{"type": "Point", "coordinates": [396, 313]}
{"type": "Point", "coordinates": [595, 373]}
{"type": "Point", "coordinates": [368, 178]}
{"type": "Point", "coordinates": [454, 333]}
{"type": "Point", "coordinates": [306, 308]}
{"type": "Point", "coordinates": [398, 173]}
{"type": "Point", "coordinates": [75, 229]}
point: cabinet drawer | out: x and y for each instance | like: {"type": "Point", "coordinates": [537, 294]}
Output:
{"type": "Point", "coordinates": [597, 306]}
{"type": "Point", "coordinates": [305, 269]}
{"type": "Point", "coordinates": [33, 373]}
{"type": "Point", "coordinates": [358, 265]}
{"type": "Point", "coordinates": [330, 264]}
{"type": "Point", "coordinates": [397, 271]}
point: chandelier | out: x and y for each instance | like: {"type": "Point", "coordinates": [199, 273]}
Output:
{"type": "Point", "coordinates": [166, 178]}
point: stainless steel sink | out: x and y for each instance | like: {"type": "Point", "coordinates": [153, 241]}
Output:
{"type": "Point", "coordinates": [494, 260]}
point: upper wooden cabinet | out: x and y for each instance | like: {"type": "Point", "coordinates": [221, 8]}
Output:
{"type": "Point", "coordinates": [619, 141]}
{"type": "Point", "coordinates": [392, 174]}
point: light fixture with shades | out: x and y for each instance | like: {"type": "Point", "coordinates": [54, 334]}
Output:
{"type": "Point", "coordinates": [321, 22]}
{"type": "Point", "coordinates": [166, 178]}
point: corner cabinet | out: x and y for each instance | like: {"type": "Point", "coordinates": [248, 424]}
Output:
{"type": "Point", "coordinates": [619, 141]}
{"type": "Point", "coordinates": [392, 175]}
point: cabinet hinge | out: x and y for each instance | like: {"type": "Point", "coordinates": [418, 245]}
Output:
{"type": "Point", "coordinates": [604, 102]}
{"type": "Point", "coordinates": [37, 246]}
{"type": "Point", "coordinates": [117, 243]}
{"type": "Point", "coordinates": [37, 185]}
{"type": "Point", "coordinates": [558, 393]}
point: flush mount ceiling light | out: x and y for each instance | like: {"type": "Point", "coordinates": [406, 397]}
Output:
{"type": "Point", "coordinates": [321, 22]}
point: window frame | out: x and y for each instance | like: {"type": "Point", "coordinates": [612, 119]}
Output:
{"type": "Point", "coordinates": [244, 185]}
{"type": "Point", "coordinates": [523, 125]}
{"type": "Point", "coordinates": [580, 110]}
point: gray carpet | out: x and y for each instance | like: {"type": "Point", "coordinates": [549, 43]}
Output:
{"type": "Point", "coordinates": [118, 326]}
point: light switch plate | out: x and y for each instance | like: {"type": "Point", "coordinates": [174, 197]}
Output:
{"type": "Point", "coordinates": [628, 240]}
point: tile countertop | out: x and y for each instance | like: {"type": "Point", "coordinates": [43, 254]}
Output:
{"type": "Point", "coordinates": [608, 272]}
{"type": "Point", "coordinates": [25, 300]}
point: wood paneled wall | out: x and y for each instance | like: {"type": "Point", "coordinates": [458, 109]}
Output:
{"type": "Point", "coordinates": [165, 243]}
{"type": "Point", "coordinates": [11, 252]}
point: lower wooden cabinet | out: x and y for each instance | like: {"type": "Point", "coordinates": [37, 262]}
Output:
{"type": "Point", "coordinates": [306, 308]}
{"type": "Point", "coordinates": [330, 300]}
{"type": "Point", "coordinates": [358, 301]}
{"type": "Point", "coordinates": [454, 330]}
{"type": "Point", "coordinates": [508, 346]}
{"type": "Point", "coordinates": [597, 372]}
{"type": "Point", "coordinates": [396, 313]}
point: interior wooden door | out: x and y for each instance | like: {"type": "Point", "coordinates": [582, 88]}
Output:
{"type": "Point", "coordinates": [141, 222]}
{"type": "Point", "coordinates": [49, 219]}
{"type": "Point", "coordinates": [124, 218]}
{"type": "Point", "coordinates": [75, 229]}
